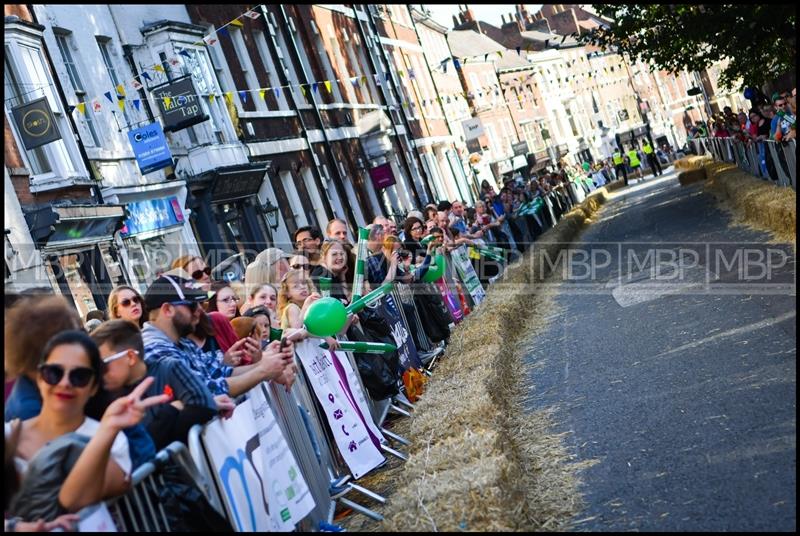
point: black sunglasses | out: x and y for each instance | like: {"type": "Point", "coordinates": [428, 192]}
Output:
{"type": "Point", "coordinates": [198, 274]}
{"type": "Point", "coordinates": [78, 377]}
{"type": "Point", "coordinates": [128, 301]}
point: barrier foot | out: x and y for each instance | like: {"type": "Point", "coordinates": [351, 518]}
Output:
{"type": "Point", "coordinates": [400, 439]}
{"type": "Point", "coordinates": [399, 410]}
{"type": "Point", "coordinates": [369, 493]}
{"type": "Point", "coordinates": [427, 372]}
{"type": "Point", "coordinates": [375, 516]}
{"type": "Point", "coordinates": [395, 453]}
{"type": "Point", "coordinates": [403, 401]}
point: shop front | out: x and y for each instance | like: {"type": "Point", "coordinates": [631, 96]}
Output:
{"type": "Point", "coordinates": [226, 215]}
{"type": "Point", "coordinates": [80, 257]}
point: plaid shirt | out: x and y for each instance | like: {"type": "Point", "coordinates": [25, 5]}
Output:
{"type": "Point", "coordinates": [207, 365]}
{"type": "Point", "coordinates": [167, 363]}
{"type": "Point", "coordinates": [377, 268]}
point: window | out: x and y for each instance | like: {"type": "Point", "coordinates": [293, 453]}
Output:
{"type": "Point", "coordinates": [87, 117]}
{"type": "Point", "coordinates": [477, 95]}
{"type": "Point", "coordinates": [26, 79]}
{"type": "Point", "coordinates": [247, 68]}
{"type": "Point", "coordinates": [269, 65]}
{"type": "Point", "coordinates": [105, 51]}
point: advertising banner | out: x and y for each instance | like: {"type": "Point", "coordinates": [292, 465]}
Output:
{"type": "Point", "coordinates": [35, 123]}
{"type": "Point", "coordinates": [349, 421]}
{"type": "Point", "coordinates": [150, 148]}
{"type": "Point", "coordinates": [466, 272]}
{"type": "Point", "coordinates": [152, 214]}
{"type": "Point", "coordinates": [388, 308]}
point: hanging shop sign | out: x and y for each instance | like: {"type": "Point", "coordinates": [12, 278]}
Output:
{"type": "Point", "coordinates": [150, 148]}
{"type": "Point", "coordinates": [382, 176]}
{"type": "Point", "coordinates": [36, 124]}
{"type": "Point", "coordinates": [473, 128]}
{"type": "Point", "coordinates": [152, 214]}
{"type": "Point", "coordinates": [520, 149]}
{"type": "Point", "coordinates": [179, 104]}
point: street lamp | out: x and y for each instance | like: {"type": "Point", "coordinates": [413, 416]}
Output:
{"type": "Point", "coordinates": [271, 212]}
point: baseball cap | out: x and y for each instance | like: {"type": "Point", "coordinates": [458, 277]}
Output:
{"type": "Point", "coordinates": [257, 310]}
{"type": "Point", "coordinates": [271, 255]}
{"type": "Point", "coordinates": [173, 289]}
{"type": "Point", "coordinates": [776, 96]}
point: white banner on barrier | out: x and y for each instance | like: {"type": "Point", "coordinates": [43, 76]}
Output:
{"type": "Point", "coordinates": [347, 414]}
{"type": "Point", "coordinates": [260, 480]}
{"type": "Point", "coordinates": [288, 489]}
{"type": "Point", "coordinates": [467, 274]}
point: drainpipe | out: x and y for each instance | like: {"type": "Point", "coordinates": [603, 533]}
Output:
{"type": "Point", "coordinates": [338, 180]}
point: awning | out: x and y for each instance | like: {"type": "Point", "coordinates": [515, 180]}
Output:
{"type": "Point", "coordinates": [233, 182]}
{"type": "Point", "coordinates": [519, 162]}
{"type": "Point", "coordinates": [54, 227]}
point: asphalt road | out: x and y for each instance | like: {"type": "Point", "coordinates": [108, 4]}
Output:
{"type": "Point", "coordinates": [682, 387]}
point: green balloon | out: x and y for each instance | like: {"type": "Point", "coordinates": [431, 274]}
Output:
{"type": "Point", "coordinates": [435, 270]}
{"type": "Point", "coordinates": [325, 317]}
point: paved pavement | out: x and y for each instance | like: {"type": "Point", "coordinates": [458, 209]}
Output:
{"type": "Point", "coordinates": [683, 387]}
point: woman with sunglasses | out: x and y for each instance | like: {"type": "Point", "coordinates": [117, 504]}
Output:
{"type": "Point", "coordinates": [69, 373]}
{"type": "Point", "coordinates": [197, 268]}
{"type": "Point", "coordinates": [125, 303]}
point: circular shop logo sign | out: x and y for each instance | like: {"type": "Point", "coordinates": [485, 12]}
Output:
{"type": "Point", "coordinates": [36, 123]}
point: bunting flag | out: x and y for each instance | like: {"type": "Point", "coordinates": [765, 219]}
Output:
{"type": "Point", "coordinates": [136, 84]}
{"type": "Point", "coordinates": [121, 104]}
{"type": "Point", "coordinates": [237, 23]}
{"type": "Point", "coordinates": [354, 81]}
{"type": "Point", "coordinates": [277, 92]}
{"type": "Point", "coordinates": [96, 106]}
{"type": "Point", "coordinates": [229, 97]}
{"type": "Point", "coordinates": [252, 14]}
{"type": "Point", "coordinates": [211, 97]}
{"type": "Point", "coordinates": [120, 90]}
{"type": "Point", "coordinates": [211, 40]}
{"type": "Point", "coordinates": [518, 50]}
{"type": "Point", "coordinates": [327, 85]}
{"type": "Point", "coordinates": [411, 74]}
{"type": "Point", "coordinates": [108, 96]}
{"type": "Point", "coordinates": [167, 102]}
{"type": "Point", "coordinates": [146, 76]}
{"type": "Point", "coordinates": [303, 90]}
{"type": "Point", "coordinates": [387, 75]}
{"type": "Point", "coordinates": [136, 103]}
{"type": "Point", "coordinates": [243, 96]}
{"type": "Point", "coordinates": [314, 87]}
{"type": "Point", "coordinates": [500, 53]}
{"type": "Point", "coordinates": [444, 67]}
{"type": "Point", "coordinates": [174, 62]}
{"type": "Point", "coordinates": [185, 52]}
{"type": "Point", "coordinates": [81, 106]}
{"type": "Point", "coordinates": [159, 68]}
{"type": "Point", "coordinates": [486, 57]}
{"type": "Point", "coordinates": [222, 32]}
{"type": "Point", "coordinates": [70, 108]}
{"type": "Point", "coordinates": [456, 64]}
{"type": "Point", "coordinates": [262, 93]}
{"type": "Point", "coordinates": [400, 74]}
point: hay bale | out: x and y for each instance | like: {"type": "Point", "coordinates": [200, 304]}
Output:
{"type": "Point", "coordinates": [755, 202]}
{"type": "Point", "coordinates": [692, 162]}
{"type": "Point", "coordinates": [691, 176]}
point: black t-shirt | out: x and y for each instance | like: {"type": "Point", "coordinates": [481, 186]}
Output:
{"type": "Point", "coordinates": [415, 248]}
{"type": "Point", "coordinates": [337, 288]}
{"type": "Point", "coordinates": [763, 129]}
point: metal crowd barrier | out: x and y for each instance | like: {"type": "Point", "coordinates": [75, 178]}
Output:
{"type": "Point", "coordinates": [770, 160]}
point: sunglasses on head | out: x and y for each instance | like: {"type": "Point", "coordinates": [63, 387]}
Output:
{"type": "Point", "coordinates": [126, 302]}
{"type": "Point", "coordinates": [198, 274]}
{"type": "Point", "coordinates": [78, 376]}
{"type": "Point", "coordinates": [118, 355]}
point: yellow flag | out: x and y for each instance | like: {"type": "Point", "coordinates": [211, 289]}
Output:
{"type": "Point", "coordinates": [121, 104]}
{"type": "Point", "coordinates": [303, 90]}
{"type": "Point", "coordinates": [120, 90]}
{"type": "Point", "coordinates": [81, 106]}
{"type": "Point", "coordinates": [229, 97]}
{"type": "Point", "coordinates": [167, 102]}
{"type": "Point", "coordinates": [211, 97]}
{"type": "Point", "coordinates": [328, 85]}
{"type": "Point", "coordinates": [363, 80]}
{"type": "Point", "coordinates": [158, 68]}
{"type": "Point", "coordinates": [236, 22]}
{"type": "Point", "coordinates": [262, 92]}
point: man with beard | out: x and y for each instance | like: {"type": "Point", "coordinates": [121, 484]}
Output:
{"type": "Point", "coordinates": [172, 301]}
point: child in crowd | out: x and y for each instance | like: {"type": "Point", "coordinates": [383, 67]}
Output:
{"type": "Point", "coordinates": [295, 296]}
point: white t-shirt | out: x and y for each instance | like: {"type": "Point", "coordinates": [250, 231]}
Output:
{"type": "Point", "coordinates": [120, 452]}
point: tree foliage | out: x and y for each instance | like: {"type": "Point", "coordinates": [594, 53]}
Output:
{"type": "Point", "coordinates": [758, 41]}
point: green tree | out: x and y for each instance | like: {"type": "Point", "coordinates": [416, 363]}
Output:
{"type": "Point", "coordinates": [759, 41]}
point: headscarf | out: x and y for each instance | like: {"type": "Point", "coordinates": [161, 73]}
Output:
{"type": "Point", "coordinates": [223, 331]}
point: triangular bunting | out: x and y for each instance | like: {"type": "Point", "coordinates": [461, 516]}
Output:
{"type": "Point", "coordinates": [237, 23]}
{"type": "Point", "coordinates": [411, 74]}
{"type": "Point", "coordinates": [210, 40]}
{"type": "Point", "coordinates": [387, 76]}
{"type": "Point", "coordinates": [211, 97]}
{"type": "Point", "coordinates": [222, 32]}
{"type": "Point", "coordinates": [262, 93]}
{"type": "Point", "coordinates": [146, 77]}
{"type": "Point", "coordinates": [185, 52]}
{"type": "Point", "coordinates": [120, 90]}
{"type": "Point", "coordinates": [400, 74]}
{"type": "Point", "coordinates": [136, 84]}
{"type": "Point", "coordinates": [243, 96]}
{"type": "Point", "coordinates": [303, 90]}
{"type": "Point", "coordinates": [327, 85]}
{"type": "Point", "coordinates": [108, 96]}
{"type": "Point", "coordinates": [121, 104]}
{"type": "Point", "coordinates": [364, 80]}
{"type": "Point", "coordinates": [158, 68]}
{"type": "Point", "coordinates": [81, 106]}
{"type": "Point", "coordinates": [277, 91]}
{"type": "Point", "coordinates": [354, 81]}
{"type": "Point", "coordinates": [500, 53]}
{"type": "Point", "coordinates": [314, 87]}
{"type": "Point", "coordinates": [252, 14]}
{"type": "Point", "coordinates": [96, 106]}
{"type": "Point", "coordinates": [174, 62]}
{"type": "Point", "coordinates": [518, 50]}
{"type": "Point", "coordinates": [456, 63]}
{"type": "Point", "coordinates": [229, 97]}
{"type": "Point", "coordinates": [486, 57]}
{"type": "Point", "coordinates": [70, 109]}
{"type": "Point", "coordinates": [136, 103]}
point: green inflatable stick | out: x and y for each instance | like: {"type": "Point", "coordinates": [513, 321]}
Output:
{"type": "Point", "coordinates": [363, 347]}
